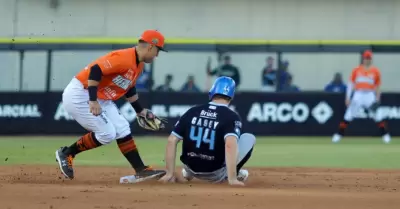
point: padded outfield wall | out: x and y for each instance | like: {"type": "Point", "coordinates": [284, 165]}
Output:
{"type": "Point", "coordinates": [200, 20]}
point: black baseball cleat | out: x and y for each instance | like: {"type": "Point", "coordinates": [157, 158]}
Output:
{"type": "Point", "coordinates": [65, 162]}
{"type": "Point", "coordinates": [148, 173]}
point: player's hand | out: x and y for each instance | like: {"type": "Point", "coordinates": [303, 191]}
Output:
{"type": "Point", "coordinates": [168, 178]}
{"type": "Point", "coordinates": [235, 183]}
{"type": "Point", "coordinates": [347, 102]}
{"type": "Point", "coordinates": [95, 108]}
{"type": "Point", "coordinates": [146, 113]}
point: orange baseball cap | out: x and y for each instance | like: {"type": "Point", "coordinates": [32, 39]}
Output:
{"type": "Point", "coordinates": [153, 37]}
{"type": "Point", "coordinates": [367, 54]}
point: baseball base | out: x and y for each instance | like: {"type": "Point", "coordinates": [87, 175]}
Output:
{"type": "Point", "coordinates": [128, 179]}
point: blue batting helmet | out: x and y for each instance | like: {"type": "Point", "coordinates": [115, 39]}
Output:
{"type": "Point", "coordinates": [223, 86]}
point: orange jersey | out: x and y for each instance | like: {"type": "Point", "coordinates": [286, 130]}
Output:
{"type": "Point", "coordinates": [120, 72]}
{"type": "Point", "coordinates": [366, 79]}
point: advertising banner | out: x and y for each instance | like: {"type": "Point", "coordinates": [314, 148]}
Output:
{"type": "Point", "coordinates": [283, 114]}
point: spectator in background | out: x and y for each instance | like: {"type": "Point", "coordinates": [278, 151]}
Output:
{"type": "Point", "coordinates": [268, 76]}
{"type": "Point", "coordinates": [226, 69]}
{"type": "Point", "coordinates": [190, 85]}
{"type": "Point", "coordinates": [166, 87]}
{"type": "Point", "coordinates": [144, 82]}
{"type": "Point", "coordinates": [289, 86]}
{"type": "Point", "coordinates": [336, 85]}
{"type": "Point", "coordinates": [283, 75]}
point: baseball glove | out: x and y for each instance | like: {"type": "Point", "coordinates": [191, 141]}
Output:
{"type": "Point", "coordinates": [151, 122]}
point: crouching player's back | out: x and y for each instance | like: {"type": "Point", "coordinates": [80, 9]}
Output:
{"type": "Point", "coordinates": [213, 148]}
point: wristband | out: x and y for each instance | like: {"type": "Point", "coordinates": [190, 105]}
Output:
{"type": "Point", "coordinates": [92, 93]}
{"type": "Point", "coordinates": [136, 105]}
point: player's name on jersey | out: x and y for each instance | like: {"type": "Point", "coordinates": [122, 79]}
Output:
{"type": "Point", "coordinates": [20, 111]}
{"type": "Point", "coordinates": [204, 122]}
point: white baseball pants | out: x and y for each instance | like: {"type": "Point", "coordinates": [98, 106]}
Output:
{"type": "Point", "coordinates": [108, 126]}
{"type": "Point", "coordinates": [361, 100]}
{"type": "Point", "coordinates": [245, 143]}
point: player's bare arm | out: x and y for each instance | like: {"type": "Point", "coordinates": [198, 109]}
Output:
{"type": "Point", "coordinates": [170, 157]}
{"type": "Point", "coordinates": [93, 81]}
{"type": "Point", "coordinates": [231, 151]}
{"type": "Point", "coordinates": [378, 93]}
{"type": "Point", "coordinates": [133, 98]}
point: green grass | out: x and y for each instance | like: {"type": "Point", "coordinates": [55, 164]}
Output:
{"type": "Point", "coordinates": [269, 151]}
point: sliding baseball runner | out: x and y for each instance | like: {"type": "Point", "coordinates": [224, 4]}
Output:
{"type": "Point", "coordinates": [213, 147]}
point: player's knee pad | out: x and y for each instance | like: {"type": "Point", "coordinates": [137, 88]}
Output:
{"type": "Point", "coordinates": [107, 136]}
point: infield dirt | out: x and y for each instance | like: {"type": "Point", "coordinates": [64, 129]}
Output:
{"type": "Point", "coordinates": [31, 187]}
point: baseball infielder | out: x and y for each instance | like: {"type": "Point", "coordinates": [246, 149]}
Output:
{"type": "Point", "coordinates": [363, 93]}
{"type": "Point", "coordinates": [89, 97]}
{"type": "Point", "coordinates": [213, 148]}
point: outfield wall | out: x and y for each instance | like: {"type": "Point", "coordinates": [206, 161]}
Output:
{"type": "Point", "coordinates": [249, 19]}
{"type": "Point", "coordinates": [307, 114]}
